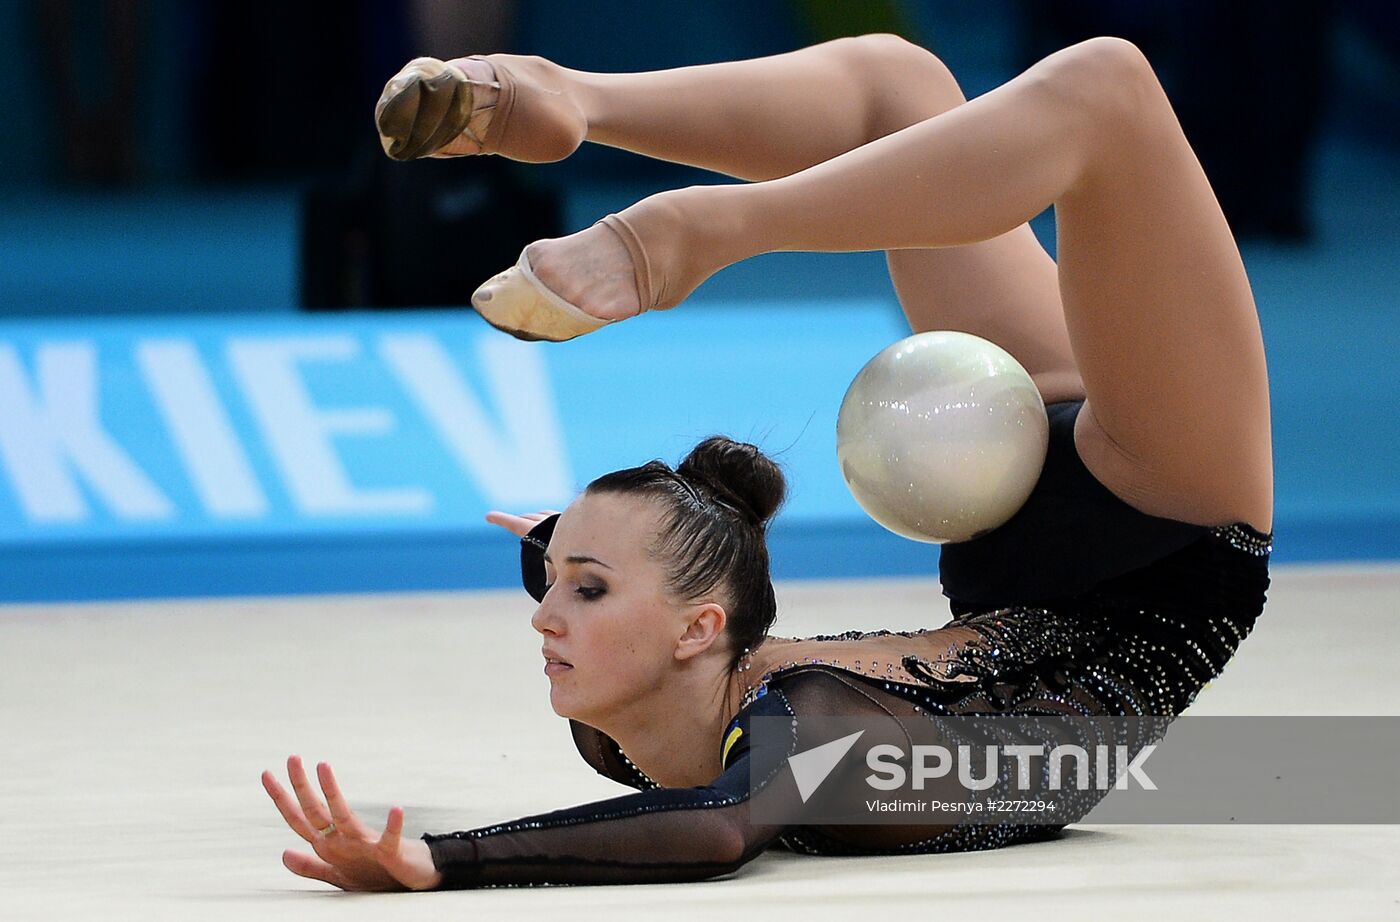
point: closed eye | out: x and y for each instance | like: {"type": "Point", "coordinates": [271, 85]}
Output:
{"type": "Point", "coordinates": [588, 592]}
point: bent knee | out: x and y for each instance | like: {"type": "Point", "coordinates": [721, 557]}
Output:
{"type": "Point", "coordinates": [884, 46]}
{"type": "Point", "coordinates": [1109, 91]}
{"type": "Point", "coordinates": [1108, 76]}
{"type": "Point", "coordinates": [1105, 61]}
{"type": "Point", "coordinates": [905, 82]}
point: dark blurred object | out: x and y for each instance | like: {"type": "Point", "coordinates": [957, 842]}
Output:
{"type": "Point", "coordinates": [1366, 100]}
{"type": "Point", "coordinates": [1253, 91]}
{"type": "Point", "coordinates": [93, 53]}
{"type": "Point", "coordinates": [289, 88]}
{"type": "Point", "coordinates": [385, 234]}
{"type": "Point", "coordinates": [449, 28]}
{"type": "Point", "coordinates": [418, 234]}
{"type": "Point", "coordinates": [822, 20]}
{"type": "Point", "coordinates": [1246, 78]}
{"type": "Point", "coordinates": [1381, 21]}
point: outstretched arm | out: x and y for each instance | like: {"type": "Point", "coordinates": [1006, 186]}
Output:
{"type": "Point", "coordinates": [659, 835]}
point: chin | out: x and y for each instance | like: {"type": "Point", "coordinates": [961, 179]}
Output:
{"type": "Point", "coordinates": [568, 707]}
{"type": "Point", "coordinates": [561, 704]}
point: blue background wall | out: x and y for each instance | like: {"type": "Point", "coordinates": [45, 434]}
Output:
{"type": "Point", "coordinates": [170, 425]}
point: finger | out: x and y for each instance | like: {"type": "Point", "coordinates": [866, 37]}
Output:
{"type": "Point", "coordinates": [316, 813]}
{"type": "Point", "coordinates": [340, 809]}
{"type": "Point", "coordinates": [519, 525]}
{"type": "Point", "coordinates": [388, 847]}
{"type": "Point", "coordinates": [288, 808]}
{"type": "Point", "coordinates": [535, 517]}
{"type": "Point", "coordinates": [515, 524]}
{"type": "Point", "coordinates": [389, 852]}
{"type": "Point", "coordinates": [310, 866]}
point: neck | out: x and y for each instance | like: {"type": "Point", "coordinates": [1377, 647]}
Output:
{"type": "Point", "coordinates": [673, 733]}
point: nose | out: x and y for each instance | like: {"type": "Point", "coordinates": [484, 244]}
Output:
{"type": "Point", "coordinates": [546, 618]}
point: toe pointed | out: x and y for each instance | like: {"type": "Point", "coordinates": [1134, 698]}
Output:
{"type": "Point", "coordinates": [518, 304]}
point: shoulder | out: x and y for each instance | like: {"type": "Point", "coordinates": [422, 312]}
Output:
{"type": "Point", "coordinates": [803, 688]}
{"type": "Point", "coordinates": [810, 678]}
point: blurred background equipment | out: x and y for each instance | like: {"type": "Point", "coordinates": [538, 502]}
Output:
{"type": "Point", "coordinates": [93, 57]}
{"type": "Point", "coordinates": [1249, 80]}
{"type": "Point", "coordinates": [418, 234]}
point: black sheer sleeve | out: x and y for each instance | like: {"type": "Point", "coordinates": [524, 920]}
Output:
{"type": "Point", "coordinates": [660, 834]}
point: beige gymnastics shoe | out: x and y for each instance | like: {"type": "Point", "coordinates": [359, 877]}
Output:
{"type": "Point", "coordinates": [424, 107]}
{"type": "Point", "coordinates": [517, 302]}
{"type": "Point", "coordinates": [434, 108]}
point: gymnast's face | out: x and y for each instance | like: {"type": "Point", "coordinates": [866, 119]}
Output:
{"type": "Point", "coordinates": [607, 615]}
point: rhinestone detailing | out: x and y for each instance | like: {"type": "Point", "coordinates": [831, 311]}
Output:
{"type": "Point", "coordinates": [644, 781]}
{"type": "Point", "coordinates": [1243, 538]}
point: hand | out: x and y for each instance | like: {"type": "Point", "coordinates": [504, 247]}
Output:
{"type": "Point", "coordinates": [518, 525]}
{"type": "Point", "coordinates": [348, 854]}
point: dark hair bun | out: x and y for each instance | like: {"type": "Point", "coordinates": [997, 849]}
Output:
{"type": "Point", "coordinates": [737, 473]}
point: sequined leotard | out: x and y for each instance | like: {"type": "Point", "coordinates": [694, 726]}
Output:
{"type": "Point", "coordinates": [1078, 605]}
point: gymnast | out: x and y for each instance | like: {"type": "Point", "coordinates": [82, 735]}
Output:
{"type": "Point", "coordinates": [1122, 587]}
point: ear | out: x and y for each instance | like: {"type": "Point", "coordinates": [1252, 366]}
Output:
{"type": "Point", "coordinates": [704, 628]}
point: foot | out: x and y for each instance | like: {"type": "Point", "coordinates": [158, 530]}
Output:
{"type": "Point", "coordinates": [562, 288]}
{"type": "Point", "coordinates": [427, 105]}
{"type": "Point", "coordinates": [569, 286]}
{"type": "Point", "coordinates": [485, 92]}
{"type": "Point", "coordinates": [592, 270]}
{"type": "Point", "coordinates": [514, 105]}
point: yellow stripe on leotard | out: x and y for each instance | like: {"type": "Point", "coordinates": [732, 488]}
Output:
{"type": "Point", "coordinates": [729, 744]}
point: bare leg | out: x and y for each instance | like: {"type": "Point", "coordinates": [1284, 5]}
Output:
{"type": "Point", "coordinates": [1158, 308]}
{"type": "Point", "coordinates": [769, 117]}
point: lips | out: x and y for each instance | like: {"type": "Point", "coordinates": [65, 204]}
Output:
{"type": "Point", "coordinates": [551, 658]}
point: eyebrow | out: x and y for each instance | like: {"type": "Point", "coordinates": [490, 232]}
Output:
{"type": "Point", "coordinates": [578, 558]}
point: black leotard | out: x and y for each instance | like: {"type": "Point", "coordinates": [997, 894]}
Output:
{"type": "Point", "coordinates": [1112, 613]}
{"type": "Point", "coordinates": [1070, 535]}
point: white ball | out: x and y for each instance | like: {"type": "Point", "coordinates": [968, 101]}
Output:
{"type": "Point", "coordinates": [942, 437]}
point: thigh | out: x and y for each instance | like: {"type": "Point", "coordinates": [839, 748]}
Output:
{"type": "Point", "coordinates": [1162, 321]}
{"type": "Point", "coordinates": [1005, 290]}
